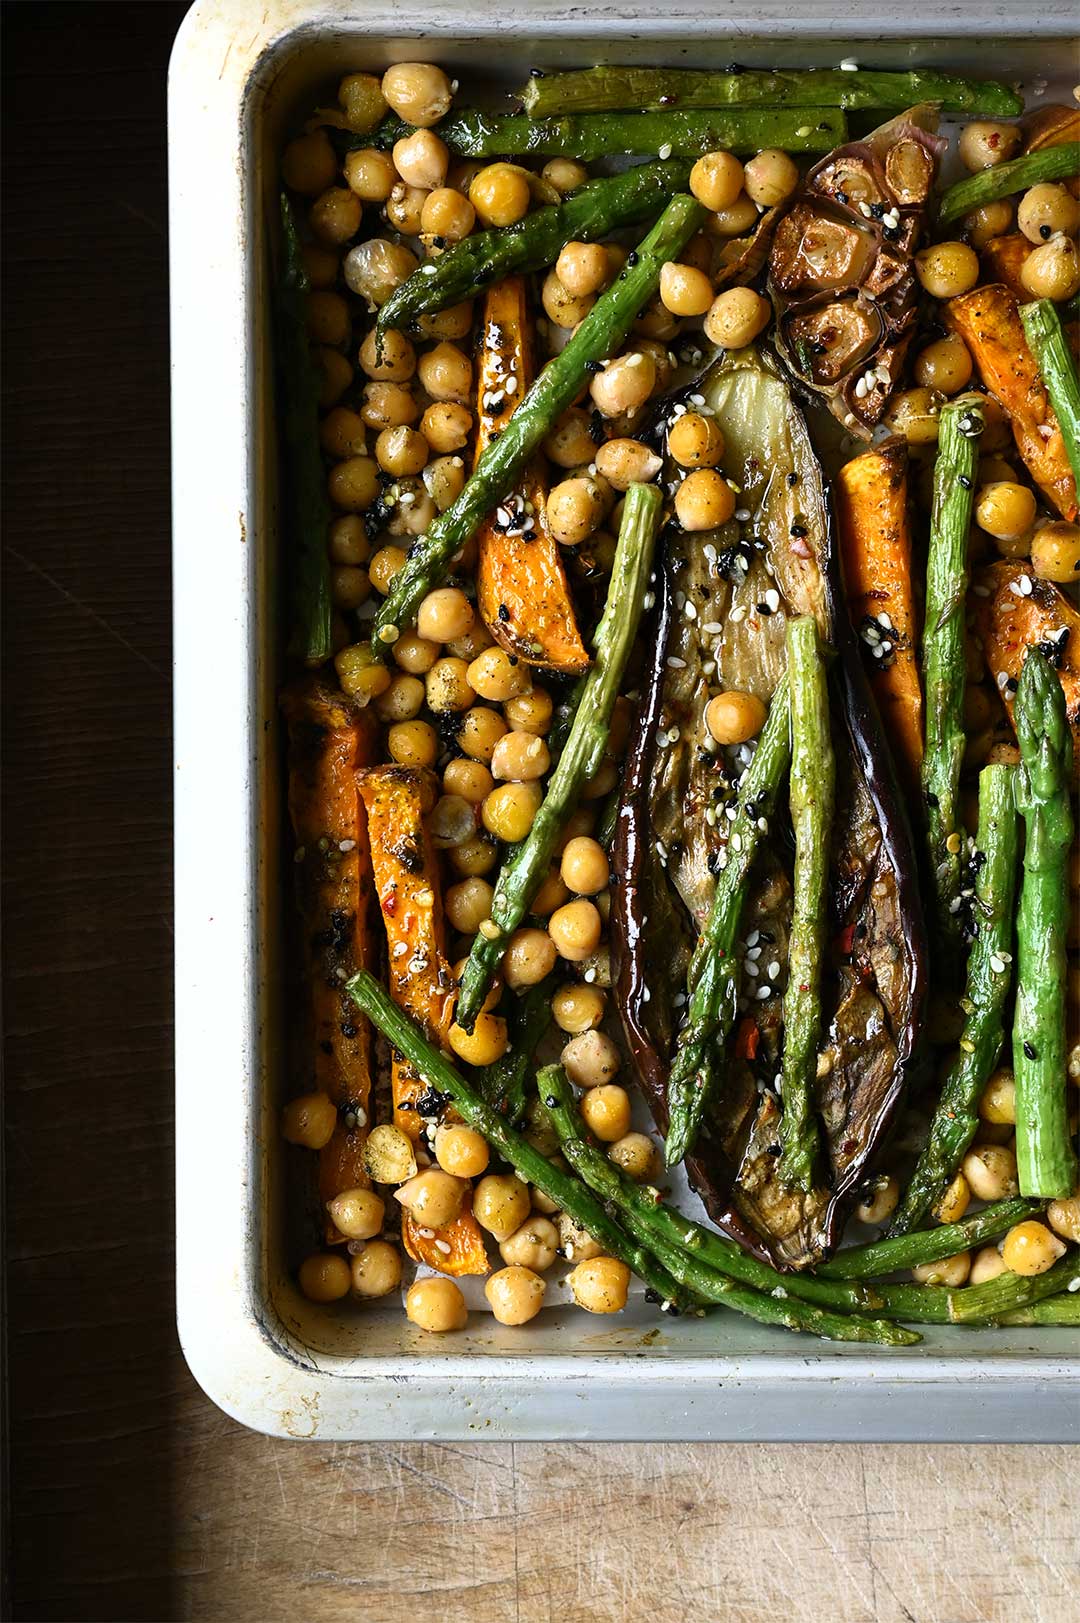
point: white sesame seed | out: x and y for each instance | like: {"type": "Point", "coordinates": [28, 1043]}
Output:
{"type": "Point", "coordinates": [774, 970]}
{"type": "Point", "coordinates": [849, 65]}
{"type": "Point", "coordinates": [764, 992]}
{"type": "Point", "coordinates": [429, 269]}
{"type": "Point", "coordinates": [751, 969]}
{"type": "Point", "coordinates": [738, 613]}
{"type": "Point", "coordinates": [636, 359]}
{"type": "Point", "coordinates": [346, 845]}
{"type": "Point", "coordinates": [743, 515]}
{"type": "Point", "coordinates": [772, 598]}
{"type": "Point", "coordinates": [997, 964]}
{"type": "Point", "coordinates": [443, 1246]}
{"type": "Point", "coordinates": [665, 150]}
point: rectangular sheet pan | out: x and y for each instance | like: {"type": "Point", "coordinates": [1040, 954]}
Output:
{"type": "Point", "coordinates": [241, 74]}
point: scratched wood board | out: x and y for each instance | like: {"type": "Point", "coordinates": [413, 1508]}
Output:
{"type": "Point", "coordinates": [133, 1496]}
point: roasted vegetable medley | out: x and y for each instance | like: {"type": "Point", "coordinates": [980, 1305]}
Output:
{"type": "Point", "coordinates": [680, 490]}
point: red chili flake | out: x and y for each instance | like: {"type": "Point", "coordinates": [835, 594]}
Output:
{"type": "Point", "coordinates": [388, 900]}
{"type": "Point", "coordinates": [846, 940]}
{"type": "Point", "coordinates": [747, 1039]}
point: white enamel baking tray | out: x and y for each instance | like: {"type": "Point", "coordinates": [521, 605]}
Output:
{"type": "Point", "coordinates": [242, 71]}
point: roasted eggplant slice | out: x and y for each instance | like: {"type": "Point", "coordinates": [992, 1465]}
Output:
{"type": "Point", "coordinates": [723, 599]}
{"type": "Point", "coordinates": [840, 268]}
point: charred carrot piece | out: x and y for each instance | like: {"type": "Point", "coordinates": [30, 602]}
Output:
{"type": "Point", "coordinates": [520, 580]}
{"type": "Point", "coordinates": [329, 738]}
{"type": "Point", "coordinates": [874, 534]}
{"type": "Point", "coordinates": [988, 320]}
{"type": "Point", "coordinates": [419, 976]}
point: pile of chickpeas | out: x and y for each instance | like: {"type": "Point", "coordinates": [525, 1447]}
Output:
{"type": "Point", "coordinates": [396, 429]}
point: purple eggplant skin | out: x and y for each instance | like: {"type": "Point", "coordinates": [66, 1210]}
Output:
{"type": "Point", "coordinates": [652, 938]}
{"type": "Point", "coordinates": [711, 1176]}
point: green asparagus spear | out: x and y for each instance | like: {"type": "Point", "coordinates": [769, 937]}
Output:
{"type": "Point", "coordinates": [811, 786]}
{"type": "Point", "coordinates": [610, 88]}
{"type": "Point", "coordinates": [988, 976]}
{"type": "Point", "coordinates": [558, 385]}
{"type": "Point", "coordinates": [1063, 1309]}
{"type": "Point", "coordinates": [976, 1304]}
{"type": "Point", "coordinates": [503, 1082]}
{"type": "Point", "coordinates": [693, 1262]}
{"type": "Point", "coordinates": [568, 1192]}
{"type": "Point", "coordinates": [712, 978]}
{"type": "Point", "coordinates": [591, 212]}
{"type": "Point", "coordinates": [522, 873]}
{"type": "Point", "coordinates": [975, 191]}
{"type": "Point", "coordinates": [1046, 1161]}
{"type": "Point", "coordinates": [607, 1180]}
{"type": "Point", "coordinates": [1043, 329]}
{"type": "Point", "coordinates": [309, 511]}
{"type": "Point", "coordinates": [928, 1245]}
{"type": "Point", "coordinates": [960, 424]}
{"type": "Point", "coordinates": [474, 134]}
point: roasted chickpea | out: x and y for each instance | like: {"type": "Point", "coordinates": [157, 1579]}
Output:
{"type": "Point", "coordinates": [446, 373]}
{"type": "Point", "coordinates": [954, 1201]}
{"type": "Point", "coordinates": [473, 642]}
{"type": "Point", "coordinates": [361, 100]}
{"type": "Point", "coordinates": [605, 1110]}
{"type": "Point", "coordinates": [734, 718]}
{"type": "Point", "coordinates": [600, 1284]}
{"type": "Point", "coordinates": [349, 587]}
{"type": "Point", "coordinates": [349, 543]}
{"type": "Point", "coordinates": [515, 1295]}
{"type": "Point", "coordinates": [342, 433]}
{"type": "Point", "coordinates": [695, 441]}
{"type": "Point", "coordinates": [357, 1213]}
{"type": "Point", "coordinates": [584, 866]}
{"type": "Point", "coordinates": [770, 177]}
{"type": "Point", "coordinates": [401, 451]}
{"type": "Point", "coordinates": [950, 1272]}
{"type": "Point", "coordinates": [362, 674]}
{"type": "Point", "coordinates": [487, 1042]}
{"type": "Point", "coordinates": [376, 268]}
{"type": "Point", "coordinates": [590, 1059]}
{"type": "Point", "coordinates": [321, 264]}
{"type": "Point", "coordinates": [575, 508]}
{"type": "Point", "coordinates": [990, 1170]}
{"type": "Point", "coordinates": [453, 322]}
{"type": "Point", "coordinates": [370, 174]}
{"type": "Point", "coordinates": [1052, 271]}
{"type": "Point", "coordinates": [578, 1008]}
{"type": "Point", "coordinates": [444, 479]}
{"type": "Point", "coordinates": [376, 1269]}
{"type": "Point", "coordinates": [534, 1245]}
{"type": "Point", "coordinates": [461, 1151]}
{"type": "Point", "coordinates": [1005, 511]}
{"type": "Point", "coordinates": [636, 1155]}
{"type": "Point", "coordinates": [324, 1277]}
{"type": "Point", "coordinates": [309, 1120]}
{"type": "Point", "coordinates": [433, 1197]}
{"type": "Point", "coordinates": [413, 743]}
{"type": "Point", "coordinates": [384, 566]}
{"type": "Point", "coordinates": [530, 956]}
{"type": "Point", "coordinates": [421, 159]}
{"type": "Point", "coordinates": [624, 385]}
{"type": "Point", "coordinates": [474, 856]}
{"type": "Point", "coordinates": [520, 757]}
{"type": "Point", "coordinates": [530, 712]}
{"type": "Point", "coordinates": [328, 319]}
{"type": "Point", "coordinates": [575, 929]}
{"type": "Point", "coordinates": [444, 614]}
{"type": "Point", "coordinates": [982, 225]}
{"type": "Point", "coordinates": [335, 375]}
{"type": "Point", "coordinates": [947, 269]}
{"type": "Point", "coordinates": [447, 687]}
{"type": "Point", "coordinates": [308, 164]}
{"type": "Point", "coordinates": [479, 732]}
{"type": "Point", "coordinates": [469, 779]}
{"type": "Point", "coordinates": [582, 268]}
{"type": "Point", "coordinates": [1031, 1248]}
{"type": "Point", "coordinates": [446, 216]}
{"type": "Point", "coordinates": [570, 444]}
{"type": "Point", "coordinates": [1055, 552]}
{"type": "Point", "coordinates": [496, 675]}
{"type": "Point", "coordinates": [914, 414]}
{"type": "Point", "coordinates": [404, 210]}
{"type": "Point", "coordinates": [626, 462]}
{"type": "Point", "coordinates": [565, 174]}
{"type": "Point", "coordinates": [436, 1304]}
{"type": "Point", "coordinates": [453, 821]}
{"type": "Point", "coordinates": [509, 811]}
{"type": "Point", "coordinates": [1063, 1217]}
{"type": "Point", "coordinates": [716, 180]}
{"type": "Point", "coordinates": [997, 1102]}
{"type": "Point", "coordinates": [500, 194]}
{"type": "Point", "coordinates": [944, 365]}
{"type": "Point", "coordinates": [704, 500]}
{"type": "Point", "coordinates": [561, 306]}
{"type": "Point", "coordinates": [418, 92]}
{"type": "Point", "coordinates": [468, 905]}
{"type": "Point", "coordinates": [388, 405]}
{"type": "Point", "coordinates": [983, 145]}
{"type": "Point", "coordinates": [1046, 210]}
{"type": "Point", "coordinates": [684, 290]}
{"type": "Point", "coordinates": [736, 316]}
{"type": "Point", "coordinates": [986, 1264]}
{"type": "Point", "coordinates": [501, 1203]}
{"type": "Point", "coordinates": [735, 220]}
{"type": "Point", "coordinates": [552, 893]}
{"type": "Point", "coordinates": [446, 425]}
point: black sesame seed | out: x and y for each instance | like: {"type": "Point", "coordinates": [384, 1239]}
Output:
{"type": "Point", "coordinates": [1046, 232]}
{"type": "Point", "coordinates": [504, 613]}
{"type": "Point", "coordinates": [799, 528]}
{"type": "Point", "coordinates": [593, 367]}
{"type": "Point", "coordinates": [1029, 1051]}
{"type": "Point", "coordinates": [632, 258]}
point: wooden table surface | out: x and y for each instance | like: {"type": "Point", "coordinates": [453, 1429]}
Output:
{"type": "Point", "coordinates": [133, 1496]}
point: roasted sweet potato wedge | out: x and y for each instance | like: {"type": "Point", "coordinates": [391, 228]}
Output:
{"type": "Point", "coordinates": [329, 739]}
{"type": "Point", "coordinates": [988, 321]}
{"type": "Point", "coordinates": [405, 868]}
{"type": "Point", "coordinates": [1015, 611]}
{"type": "Point", "coordinates": [1003, 260]}
{"type": "Point", "coordinates": [521, 584]}
{"type": "Point", "coordinates": [874, 536]}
